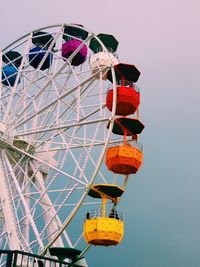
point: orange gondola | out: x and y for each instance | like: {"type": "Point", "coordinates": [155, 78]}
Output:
{"type": "Point", "coordinates": [126, 158]}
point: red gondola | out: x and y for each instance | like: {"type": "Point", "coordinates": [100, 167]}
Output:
{"type": "Point", "coordinates": [128, 96]}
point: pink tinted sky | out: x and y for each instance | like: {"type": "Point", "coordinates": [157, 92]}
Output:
{"type": "Point", "coordinates": [162, 38]}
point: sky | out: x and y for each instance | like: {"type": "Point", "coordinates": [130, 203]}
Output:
{"type": "Point", "coordinates": [162, 38]}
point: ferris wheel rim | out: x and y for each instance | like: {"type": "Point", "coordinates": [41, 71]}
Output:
{"type": "Point", "coordinates": [111, 118]}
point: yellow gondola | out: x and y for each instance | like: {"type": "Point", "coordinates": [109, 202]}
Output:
{"type": "Point", "coordinates": [100, 228]}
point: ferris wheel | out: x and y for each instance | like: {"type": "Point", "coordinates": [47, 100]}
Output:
{"type": "Point", "coordinates": [67, 142]}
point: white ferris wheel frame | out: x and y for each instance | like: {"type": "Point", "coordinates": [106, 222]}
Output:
{"type": "Point", "coordinates": [21, 119]}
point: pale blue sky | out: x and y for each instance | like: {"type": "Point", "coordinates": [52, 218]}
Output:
{"type": "Point", "coordinates": [162, 38]}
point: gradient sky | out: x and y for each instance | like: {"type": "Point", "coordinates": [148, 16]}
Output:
{"type": "Point", "coordinates": [162, 38]}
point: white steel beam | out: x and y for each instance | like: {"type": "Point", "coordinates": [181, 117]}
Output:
{"type": "Point", "coordinates": [23, 200]}
{"type": "Point", "coordinates": [8, 211]}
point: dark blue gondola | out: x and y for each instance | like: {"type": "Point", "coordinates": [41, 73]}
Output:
{"type": "Point", "coordinates": [41, 41]}
{"type": "Point", "coordinates": [37, 54]}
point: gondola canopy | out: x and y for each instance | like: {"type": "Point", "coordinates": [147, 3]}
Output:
{"type": "Point", "coordinates": [13, 58]}
{"type": "Point", "coordinates": [108, 40]}
{"type": "Point", "coordinates": [74, 32]}
{"type": "Point", "coordinates": [124, 72]}
{"type": "Point", "coordinates": [42, 39]}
